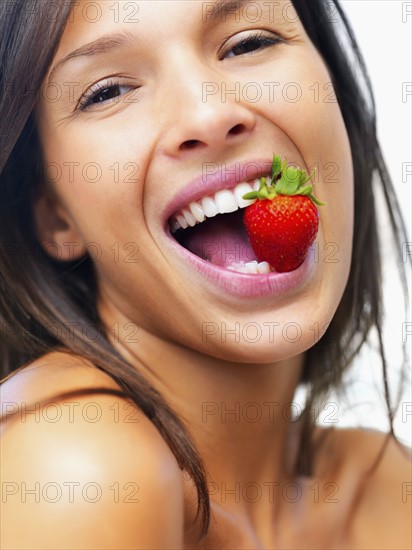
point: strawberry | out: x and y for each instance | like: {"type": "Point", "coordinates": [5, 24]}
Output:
{"type": "Point", "coordinates": [283, 223]}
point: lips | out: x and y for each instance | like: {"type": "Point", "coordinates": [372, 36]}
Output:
{"type": "Point", "coordinates": [221, 241]}
{"type": "Point", "coordinates": [226, 283]}
{"type": "Point", "coordinates": [204, 223]}
{"type": "Point", "coordinates": [225, 201]}
{"type": "Point", "coordinates": [207, 184]}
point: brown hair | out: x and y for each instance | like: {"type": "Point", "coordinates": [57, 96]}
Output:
{"type": "Point", "coordinates": [44, 304]}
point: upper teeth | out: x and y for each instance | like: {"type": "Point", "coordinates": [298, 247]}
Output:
{"type": "Point", "coordinates": [223, 202]}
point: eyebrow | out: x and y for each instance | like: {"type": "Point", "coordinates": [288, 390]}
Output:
{"type": "Point", "coordinates": [104, 44]}
{"type": "Point", "coordinates": [110, 42]}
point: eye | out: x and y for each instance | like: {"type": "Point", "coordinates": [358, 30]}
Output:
{"type": "Point", "coordinates": [103, 93]}
{"type": "Point", "coordinates": [253, 43]}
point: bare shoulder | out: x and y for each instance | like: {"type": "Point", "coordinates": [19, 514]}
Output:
{"type": "Point", "coordinates": [385, 504]}
{"type": "Point", "coordinates": [51, 374]}
{"type": "Point", "coordinates": [381, 498]}
{"type": "Point", "coordinates": [89, 471]}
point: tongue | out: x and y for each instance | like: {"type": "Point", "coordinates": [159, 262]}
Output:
{"type": "Point", "coordinates": [221, 240]}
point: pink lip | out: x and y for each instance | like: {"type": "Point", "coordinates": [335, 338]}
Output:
{"type": "Point", "coordinates": [223, 177]}
{"type": "Point", "coordinates": [243, 285]}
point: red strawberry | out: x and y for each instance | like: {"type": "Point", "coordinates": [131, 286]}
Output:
{"type": "Point", "coordinates": [283, 223]}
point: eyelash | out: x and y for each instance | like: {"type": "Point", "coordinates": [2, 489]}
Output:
{"type": "Point", "coordinates": [266, 41]}
{"type": "Point", "coordinates": [87, 99]}
{"type": "Point", "coordinates": [259, 36]}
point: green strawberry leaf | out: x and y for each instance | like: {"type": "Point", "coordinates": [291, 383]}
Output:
{"type": "Point", "coordinates": [287, 180]}
{"type": "Point", "coordinates": [276, 167]}
{"type": "Point", "coordinates": [250, 196]}
{"type": "Point", "coordinates": [303, 177]}
{"type": "Point", "coordinates": [307, 178]}
{"type": "Point", "coordinates": [288, 184]}
{"type": "Point", "coordinates": [316, 200]}
{"type": "Point", "coordinates": [305, 190]}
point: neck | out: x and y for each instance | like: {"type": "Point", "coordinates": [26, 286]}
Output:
{"type": "Point", "coordinates": [238, 414]}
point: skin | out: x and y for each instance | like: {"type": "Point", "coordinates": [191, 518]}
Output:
{"type": "Point", "coordinates": [169, 140]}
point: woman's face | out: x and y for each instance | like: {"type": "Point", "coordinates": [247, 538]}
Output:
{"type": "Point", "coordinates": [192, 102]}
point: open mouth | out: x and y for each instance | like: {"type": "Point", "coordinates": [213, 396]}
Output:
{"type": "Point", "coordinates": [212, 228]}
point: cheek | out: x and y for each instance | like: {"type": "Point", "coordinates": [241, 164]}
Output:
{"type": "Point", "coordinates": [101, 187]}
{"type": "Point", "coordinates": [301, 103]}
{"type": "Point", "coordinates": [309, 123]}
{"type": "Point", "coordinates": [325, 148]}
{"type": "Point", "coordinates": [309, 119]}
{"type": "Point", "coordinates": [98, 179]}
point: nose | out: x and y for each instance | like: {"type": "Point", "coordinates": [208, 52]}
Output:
{"type": "Point", "coordinates": [202, 117]}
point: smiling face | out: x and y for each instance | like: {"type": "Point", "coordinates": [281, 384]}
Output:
{"type": "Point", "coordinates": [172, 106]}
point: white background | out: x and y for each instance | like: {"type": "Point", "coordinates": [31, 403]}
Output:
{"type": "Point", "coordinates": [385, 41]}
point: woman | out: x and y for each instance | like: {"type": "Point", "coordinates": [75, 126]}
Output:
{"type": "Point", "coordinates": [161, 385]}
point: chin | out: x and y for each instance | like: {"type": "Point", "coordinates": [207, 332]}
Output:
{"type": "Point", "coordinates": [261, 337]}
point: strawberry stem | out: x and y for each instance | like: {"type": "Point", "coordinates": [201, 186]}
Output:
{"type": "Point", "coordinates": [285, 180]}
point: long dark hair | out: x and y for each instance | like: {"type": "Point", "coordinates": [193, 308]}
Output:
{"type": "Point", "coordinates": [44, 304]}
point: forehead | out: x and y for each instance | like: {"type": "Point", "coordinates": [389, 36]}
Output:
{"type": "Point", "coordinates": [102, 27]}
{"type": "Point", "coordinates": [157, 17]}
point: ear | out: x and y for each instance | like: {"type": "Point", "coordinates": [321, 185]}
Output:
{"type": "Point", "coordinates": [55, 229]}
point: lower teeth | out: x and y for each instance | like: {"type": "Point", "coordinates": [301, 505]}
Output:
{"type": "Point", "coordinates": [251, 267]}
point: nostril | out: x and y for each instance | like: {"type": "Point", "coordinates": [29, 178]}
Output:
{"type": "Point", "coordinates": [190, 144]}
{"type": "Point", "coordinates": [238, 129]}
